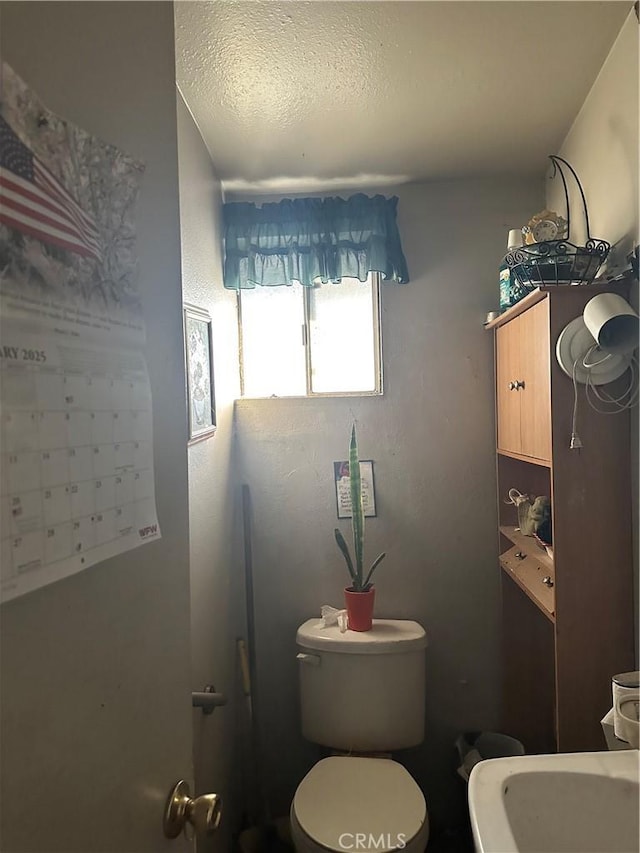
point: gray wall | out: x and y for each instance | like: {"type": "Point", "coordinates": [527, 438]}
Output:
{"type": "Point", "coordinates": [87, 758]}
{"type": "Point", "coordinates": [211, 489]}
{"type": "Point", "coordinates": [432, 439]}
{"type": "Point", "coordinates": [602, 146]}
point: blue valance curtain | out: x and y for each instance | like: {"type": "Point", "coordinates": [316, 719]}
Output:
{"type": "Point", "coordinates": [312, 239]}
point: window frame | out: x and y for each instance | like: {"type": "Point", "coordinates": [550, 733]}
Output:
{"type": "Point", "coordinates": [376, 291]}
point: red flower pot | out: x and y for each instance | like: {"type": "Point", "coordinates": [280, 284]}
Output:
{"type": "Point", "coordinates": [359, 608]}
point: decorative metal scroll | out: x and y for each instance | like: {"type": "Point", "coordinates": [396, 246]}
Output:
{"type": "Point", "coordinates": [559, 262]}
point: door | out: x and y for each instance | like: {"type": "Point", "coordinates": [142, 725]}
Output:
{"type": "Point", "coordinates": [96, 708]}
{"type": "Point", "coordinates": [523, 384]}
{"type": "Point", "coordinates": [535, 397]}
{"type": "Point", "coordinates": [508, 400]}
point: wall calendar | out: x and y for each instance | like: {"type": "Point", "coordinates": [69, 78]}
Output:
{"type": "Point", "coordinates": [76, 446]}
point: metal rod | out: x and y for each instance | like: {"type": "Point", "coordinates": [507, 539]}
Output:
{"type": "Point", "coordinates": [557, 169]}
{"type": "Point", "coordinates": [247, 519]}
{"type": "Point", "coordinates": [555, 157]}
{"type": "Point", "coordinates": [208, 700]}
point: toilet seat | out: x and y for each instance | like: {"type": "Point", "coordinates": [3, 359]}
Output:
{"type": "Point", "coordinates": [342, 798]}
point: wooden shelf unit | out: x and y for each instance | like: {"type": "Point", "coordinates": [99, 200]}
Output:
{"type": "Point", "coordinates": [567, 621]}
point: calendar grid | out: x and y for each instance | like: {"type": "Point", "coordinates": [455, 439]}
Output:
{"type": "Point", "coordinates": [76, 461]}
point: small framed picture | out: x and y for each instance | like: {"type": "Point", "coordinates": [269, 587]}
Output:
{"type": "Point", "coordinates": [199, 370]}
{"type": "Point", "coordinates": [343, 488]}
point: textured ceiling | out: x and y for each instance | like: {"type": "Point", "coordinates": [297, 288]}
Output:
{"type": "Point", "coordinates": [296, 95]}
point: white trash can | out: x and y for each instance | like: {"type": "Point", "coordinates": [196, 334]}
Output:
{"type": "Point", "coordinates": [474, 747]}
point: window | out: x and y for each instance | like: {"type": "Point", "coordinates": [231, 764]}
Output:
{"type": "Point", "coordinates": [308, 341]}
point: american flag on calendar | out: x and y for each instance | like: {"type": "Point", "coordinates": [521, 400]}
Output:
{"type": "Point", "coordinates": [33, 201]}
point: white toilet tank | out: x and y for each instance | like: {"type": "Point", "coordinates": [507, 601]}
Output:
{"type": "Point", "coordinates": [363, 691]}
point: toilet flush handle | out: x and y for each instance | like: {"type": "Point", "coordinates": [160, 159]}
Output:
{"type": "Point", "coordinates": [311, 660]}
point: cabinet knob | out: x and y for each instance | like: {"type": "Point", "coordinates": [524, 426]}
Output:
{"type": "Point", "coordinates": [512, 386]}
{"type": "Point", "coordinates": [547, 581]}
{"type": "Point", "coordinates": [519, 384]}
{"type": "Point", "coordinates": [520, 555]}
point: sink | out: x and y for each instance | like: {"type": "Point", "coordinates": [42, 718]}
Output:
{"type": "Point", "coordinates": [581, 802]}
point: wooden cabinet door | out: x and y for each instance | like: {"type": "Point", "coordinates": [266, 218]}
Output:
{"type": "Point", "coordinates": [507, 399]}
{"type": "Point", "coordinates": [535, 397]}
{"type": "Point", "coordinates": [523, 390]}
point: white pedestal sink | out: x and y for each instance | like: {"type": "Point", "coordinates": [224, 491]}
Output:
{"type": "Point", "coordinates": [581, 802]}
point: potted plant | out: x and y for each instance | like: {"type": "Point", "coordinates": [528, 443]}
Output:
{"type": "Point", "coordinates": [360, 596]}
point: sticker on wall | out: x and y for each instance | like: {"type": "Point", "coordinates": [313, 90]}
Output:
{"type": "Point", "coordinates": [77, 478]}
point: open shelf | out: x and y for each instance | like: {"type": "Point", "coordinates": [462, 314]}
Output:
{"type": "Point", "coordinates": [529, 592]}
{"type": "Point", "coordinates": [528, 545]}
{"type": "Point", "coordinates": [529, 672]}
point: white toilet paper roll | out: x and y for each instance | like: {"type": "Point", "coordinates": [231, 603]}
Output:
{"type": "Point", "coordinates": [625, 686]}
{"type": "Point", "coordinates": [628, 722]}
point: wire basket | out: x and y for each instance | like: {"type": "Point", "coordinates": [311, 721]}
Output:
{"type": "Point", "coordinates": [558, 262]}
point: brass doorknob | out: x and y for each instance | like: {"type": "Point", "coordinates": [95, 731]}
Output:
{"type": "Point", "coordinates": [203, 813]}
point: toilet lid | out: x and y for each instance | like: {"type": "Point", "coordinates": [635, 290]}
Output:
{"type": "Point", "coordinates": [342, 797]}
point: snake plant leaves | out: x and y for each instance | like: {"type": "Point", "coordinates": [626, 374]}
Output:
{"type": "Point", "coordinates": [345, 550]}
{"type": "Point", "coordinates": [357, 510]}
{"type": "Point", "coordinates": [355, 567]}
{"type": "Point", "coordinates": [375, 565]}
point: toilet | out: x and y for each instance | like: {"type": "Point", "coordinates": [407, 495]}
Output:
{"type": "Point", "coordinates": [362, 696]}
